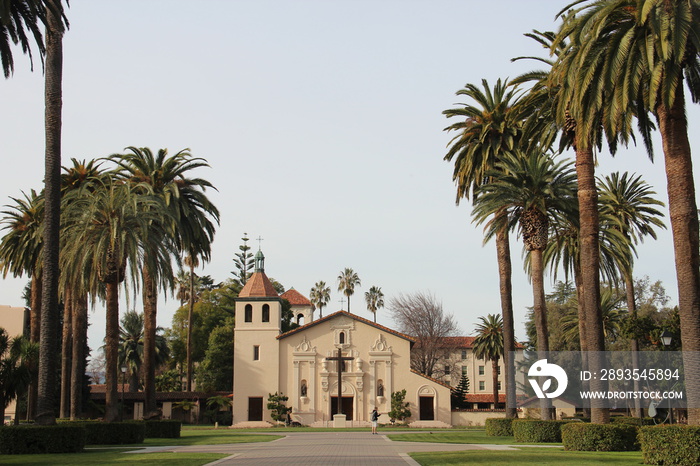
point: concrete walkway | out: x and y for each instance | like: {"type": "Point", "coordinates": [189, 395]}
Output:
{"type": "Point", "coordinates": [324, 448]}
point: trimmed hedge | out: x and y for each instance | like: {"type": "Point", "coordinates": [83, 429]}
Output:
{"type": "Point", "coordinates": [31, 439]}
{"type": "Point", "coordinates": [162, 429]}
{"type": "Point", "coordinates": [499, 427]}
{"type": "Point", "coordinates": [670, 444]}
{"type": "Point", "coordinates": [632, 421]}
{"type": "Point", "coordinates": [537, 431]}
{"type": "Point", "coordinates": [599, 437]}
{"type": "Point", "coordinates": [113, 433]}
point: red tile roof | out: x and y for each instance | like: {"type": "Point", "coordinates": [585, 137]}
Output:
{"type": "Point", "coordinates": [258, 286]}
{"type": "Point", "coordinates": [484, 398]}
{"type": "Point", "coordinates": [467, 343]}
{"type": "Point", "coordinates": [295, 298]}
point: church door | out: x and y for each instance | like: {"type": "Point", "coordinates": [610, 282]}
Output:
{"type": "Point", "coordinates": [427, 412]}
{"type": "Point", "coordinates": [255, 409]}
{"type": "Point", "coordinates": [347, 407]}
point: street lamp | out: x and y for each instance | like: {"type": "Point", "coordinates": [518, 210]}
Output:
{"type": "Point", "coordinates": [123, 369]}
{"type": "Point", "coordinates": [666, 338]}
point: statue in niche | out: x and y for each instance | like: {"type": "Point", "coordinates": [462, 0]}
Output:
{"type": "Point", "coordinates": [303, 389]}
{"type": "Point", "coordinates": [380, 389]}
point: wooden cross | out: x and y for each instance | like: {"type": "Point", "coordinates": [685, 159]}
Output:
{"type": "Point", "coordinates": [259, 239]}
{"type": "Point", "coordinates": [342, 301]}
{"type": "Point", "coordinates": [341, 359]}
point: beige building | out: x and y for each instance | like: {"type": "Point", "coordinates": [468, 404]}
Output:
{"type": "Point", "coordinates": [302, 364]}
{"type": "Point", "coordinates": [15, 321]}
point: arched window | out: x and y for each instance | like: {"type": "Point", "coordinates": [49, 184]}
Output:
{"type": "Point", "coordinates": [341, 338]}
{"type": "Point", "coordinates": [266, 313]}
{"type": "Point", "coordinates": [248, 313]}
{"type": "Point", "coordinates": [300, 319]}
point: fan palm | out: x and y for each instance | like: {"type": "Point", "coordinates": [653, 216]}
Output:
{"type": "Point", "coordinates": [320, 296]}
{"type": "Point", "coordinates": [347, 281]}
{"type": "Point", "coordinates": [487, 128]}
{"type": "Point", "coordinates": [488, 344]}
{"type": "Point", "coordinates": [375, 300]}
{"type": "Point", "coordinates": [528, 190]}
{"type": "Point", "coordinates": [191, 230]}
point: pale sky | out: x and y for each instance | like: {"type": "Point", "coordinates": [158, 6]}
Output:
{"type": "Point", "coordinates": [322, 123]}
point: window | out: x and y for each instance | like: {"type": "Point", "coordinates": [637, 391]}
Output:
{"type": "Point", "coordinates": [482, 385]}
{"type": "Point", "coordinates": [341, 338]}
{"type": "Point", "coordinates": [447, 369]}
{"type": "Point", "coordinates": [300, 319]}
{"type": "Point", "coordinates": [266, 313]}
{"type": "Point", "coordinates": [248, 313]}
{"type": "Point", "coordinates": [499, 370]}
{"type": "Point", "coordinates": [499, 385]}
{"type": "Point", "coordinates": [464, 354]}
{"type": "Point", "coordinates": [256, 353]}
{"type": "Point", "coordinates": [481, 370]}
{"type": "Point", "coordinates": [464, 370]}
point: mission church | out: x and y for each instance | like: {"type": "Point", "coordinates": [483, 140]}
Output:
{"type": "Point", "coordinates": [334, 370]}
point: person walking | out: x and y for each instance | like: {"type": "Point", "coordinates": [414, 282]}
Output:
{"type": "Point", "coordinates": [374, 417]}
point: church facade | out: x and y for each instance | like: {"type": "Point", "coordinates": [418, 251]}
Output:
{"type": "Point", "coordinates": [339, 364]}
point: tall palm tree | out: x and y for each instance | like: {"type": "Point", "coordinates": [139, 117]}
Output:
{"type": "Point", "coordinates": [347, 281]}
{"type": "Point", "coordinates": [320, 296]}
{"type": "Point", "coordinates": [131, 342]}
{"type": "Point", "coordinates": [530, 190]}
{"type": "Point", "coordinates": [486, 129]}
{"type": "Point", "coordinates": [56, 25]}
{"type": "Point", "coordinates": [107, 229]}
{"type": "Point", "coordinates": [637, 54]}
{"type": "Point", "coordinates": [488, 344]}
{"type": "Point", "coordinates": [191, 230]}
{"type": "Point", "coordinates": [191, 261]}
{"type": "Point", "coordinates": [20, 20]}
{"type": "Point", "coordinates": [20, 252]}
{"type": "Point", "coordinates": [375, 300]}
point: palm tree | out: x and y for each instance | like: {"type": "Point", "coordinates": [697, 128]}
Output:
{"type": "Point", "coordinates": [320, 296]}
{"type": "Point", "coordinates": [56, 25]}
{"type": "Point", "coordinates": [347, 281]}
{"type": "Point", "coordinates": [489, 345]}
{"type": "Point", "coordinates": [191, 229]}
{"type": "Point", "coordinates": [216, 403]}
{"type": "Point", "coordinates": [107, 228]}
{"type": "Point", "coordinates": [16, 356]}
{"type": "Point", "coordinates": [486, 129]}
{"type": "Point", "coordinates": [613, 316]}
{"type": "Point", "coordinates": [131, 342]}
{"type": "Point", "coordinates": [530, 190]}
{"type": "Point", "coordinates": [375, 299]}
{"type": "Point", "coordinates": [18, 19]}
{"type": "Point", "coordinates": [20, 252]}
{"type": "Point", "coordinates": [637, 54]}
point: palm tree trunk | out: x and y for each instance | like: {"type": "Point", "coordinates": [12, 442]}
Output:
{"type": "Point", "coordinates": [80, 309]}
{"type": "Point", "coordinates": [48, 355]}
{"type": "Point", "coordinates": [506, 291]}
{"type": "Point", "coordinates": [150, 309]}
{"type": "Point", "coordinates": [66, 352]}
{"type": "Point", "coordinates": [494, 370]}
{"type": "Point", "coordinates": [673, 127]}
{"type": "Point", "coordinates": [111, 352]}
{"type": "Point", "coordinates": [590, 279]}
{"type": "Point", "coordinates": [634, 343]}
{"type": "Point", "coordinates": [34, 336]}
{"type": "Point", "coordinates": [582, 332]}
{"type": "Point", "coordinates": [190, 317]}
{"type": "Point", "coordinates": [540, 310]}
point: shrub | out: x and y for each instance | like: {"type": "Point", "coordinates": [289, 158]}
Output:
{"type": "Point", "coordinates": [676, 444]}
{"type": "Point", "coordinates": [30, 439]}
{"type": "Point", "coordinates": [632, 421]}
{"type": "Point", "coordinates": [537, 431]}
{"type": "Point", "coordinates": [162, 429]}
{"type": "Point", "coordinates": [499, 427]}
{"type": "Point", "coordinates": [113, 433]}
{"type": "Point", "coordinates": [599, 437]}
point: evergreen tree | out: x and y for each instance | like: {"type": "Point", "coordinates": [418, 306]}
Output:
{"type": "Point", "coordinates": [243, 262]}
{"type": "Point", "coordinates": [276, 404]}
{"type": "Point", "coordinates": [399, 408]}
{"type": "Point", "coordinates": [459, 392]}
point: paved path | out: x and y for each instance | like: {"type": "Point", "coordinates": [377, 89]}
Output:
{"type": "Point", "coordinates": [324, 448]}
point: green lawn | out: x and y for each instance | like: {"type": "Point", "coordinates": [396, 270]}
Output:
{"type": "Point", "coordinates": [113, 456]}
{"type": "Point", "coordinates": [448, 436]}
{"type": "Point", "coordinates": [530, 455]}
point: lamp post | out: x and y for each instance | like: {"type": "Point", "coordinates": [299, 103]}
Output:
{"type": "Point", "coordinates": [123, 369]}
{"type": "Point", "coordinates": [666, 338]}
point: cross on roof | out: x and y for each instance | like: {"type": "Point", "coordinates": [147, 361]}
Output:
{"type": "Point", "coordinates": [259, 240]}
{"type": "Point", "coordinates": [340, 358]}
